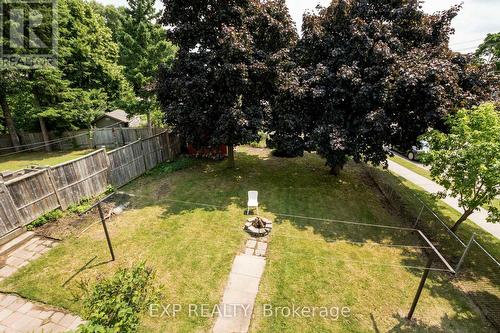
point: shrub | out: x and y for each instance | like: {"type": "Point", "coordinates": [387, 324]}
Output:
{"type": "Point", "coordinates": [45, 218]}
{"type": "Point", "coordinates": [81, 207]}
{"type": "Point", "coordinates": [114, 304]}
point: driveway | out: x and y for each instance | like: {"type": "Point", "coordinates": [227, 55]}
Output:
{"type": "Point", "coordinates": [478, 217]}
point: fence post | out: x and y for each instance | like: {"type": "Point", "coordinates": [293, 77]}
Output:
{"type": "Point", "coordinates": [49, 171]}
{"type": "Point", "coordinates": [143, 156]}
{"type": "Point", "coordinates": [418, 217]}
{"type": "Point", "coordinates": [465, 253]}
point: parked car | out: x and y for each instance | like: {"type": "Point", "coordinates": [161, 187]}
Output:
{"type": "Point", "coordinates": [413, 154]}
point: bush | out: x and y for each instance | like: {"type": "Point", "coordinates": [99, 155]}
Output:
{"type": "Point", "coordinates": [45, 218]}
{"type": "Point", "coordinates": [114, 304]}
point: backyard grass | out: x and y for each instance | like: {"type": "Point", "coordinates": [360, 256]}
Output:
{"type": "Point", "coordinates": [188, 226]}
{"type": "Point", "coordinates": [25, 159]}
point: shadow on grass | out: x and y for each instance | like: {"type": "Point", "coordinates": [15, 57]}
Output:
{"type": "Point", "coordinates": [86, 266]}
{"type": "Point", "coordinates": [300, 187]}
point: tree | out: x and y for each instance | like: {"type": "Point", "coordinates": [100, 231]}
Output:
{"type": "Point", "coordinates": [489, 50]}
{"type": "Point", "coordinates": [8, 80]}
{"type": "Point", "coordinates": [143, 47]}
{"type": "Point", "coordinates": [466, 162]}
{"type": "Point", "coordinates": [88, 55]}
{"type": "Point", "coordinates": [376, 73]}
{"type": "Point", "coordinates": [212, 94]}
{"type": "Point", "coordinates": [86, 81]}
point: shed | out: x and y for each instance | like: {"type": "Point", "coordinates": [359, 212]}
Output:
{"type": "Point", "coordinates": [117, 118]}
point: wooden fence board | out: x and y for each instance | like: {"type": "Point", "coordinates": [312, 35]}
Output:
{"type": "Point", "coordinates": [152, 150]}
{"type": "Point", "coordinates": [81, 178]}
{"type": "Point", "coordinates": [9, 219]}
{"type": "Point", "coordinates": [107, 137]}
{"type": "Point", "coordinates": [33, 195]}
{"type": "Point", "coordinates": [126, 163]}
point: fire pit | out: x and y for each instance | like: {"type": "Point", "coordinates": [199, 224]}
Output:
{"type": "Point", "coordinates": [258, 226]}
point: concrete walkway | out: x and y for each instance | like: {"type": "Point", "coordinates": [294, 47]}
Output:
{"type": "Point", "coordinates": [241, 290]}
{"type": "Point", "coordinates": [478, 217]}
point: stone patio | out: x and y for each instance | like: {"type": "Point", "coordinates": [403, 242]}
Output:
{"type": "Point", "coordinates": [18, 315]}
{"type": "Point", "coordinates": [11, 261]}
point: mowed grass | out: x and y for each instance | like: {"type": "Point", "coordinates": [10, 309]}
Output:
{"type": "Point", "coordinates": [25, 159]}
{"type": "Point", "coordinates": [188, 226]}
{"type": "Point", "coordinates": [411, 166]}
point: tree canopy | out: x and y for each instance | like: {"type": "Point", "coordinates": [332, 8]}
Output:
{"type": "Point", "coordinates": [369, 74]}
{"type": "Point", "coordinates": [466, 161]}
{"type": "Point", "coordinates": [86, 81]}
{"type": "Point", "coordinates": [143, 48]}
{"type": "Point", "coordinates": [489, 50]}
{"type": "Point", "coordinates": [218, 89]}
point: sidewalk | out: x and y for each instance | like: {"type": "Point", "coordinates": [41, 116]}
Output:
{"type": "Point", "coordinates": [478, 217]}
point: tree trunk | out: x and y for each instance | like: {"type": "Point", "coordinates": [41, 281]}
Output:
{"type": "Point", "coordinates": [150, 127]}
{"type": "Point", "coordinates": [45, 134]}
{"type": "Point", "coordinates": [461, 220]}
{"type": "Point", "coordinates": [335, 170]}
{"type": "Point", "coordinates": [9, 122]}
{"type": "Point", "coordinates": [230, 156]}
{"type": "Point", "coordinates": [41, 120]}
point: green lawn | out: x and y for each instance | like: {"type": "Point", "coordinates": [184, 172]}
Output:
{"type": "Point", "coordinates": [25, 159]}
{"type": "Point", "coordinates": [411, 166]}
{"type": "Point", "coordinates": [310, 262]}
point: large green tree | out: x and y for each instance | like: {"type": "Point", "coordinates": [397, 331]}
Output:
{"type": "Point", "coordinates": [372, 73]}
{"type": "Point", "coordinates": [489, 50]}
{"type": "Point", "coordinates": [143, 48]}
{"type": "Point", "coordinates": [86, 81]}
{"type": "Point", "coordinates": [216, 91]}
{"type": "Point", "coordinates": [466, 161]}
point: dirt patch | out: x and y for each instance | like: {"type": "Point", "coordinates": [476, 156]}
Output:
{"type": "Point", "coordinates": [163, 189]}
{"type": "Point", "coordinates": [72, 224]}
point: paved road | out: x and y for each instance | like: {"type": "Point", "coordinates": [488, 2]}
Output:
{"type": "Point", "coordinates": [478, 217]}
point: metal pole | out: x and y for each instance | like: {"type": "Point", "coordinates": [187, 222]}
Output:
{"type": "Point", "coordinates": [418, 218]}
{"type": "Point", "coordinates": [420, 288]}
{"type": "Point", "coordinates": [103, 221]}
{"type": "Point", "coordinates": [465, 253]}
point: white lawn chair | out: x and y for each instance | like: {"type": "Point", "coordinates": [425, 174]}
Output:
{"type": "Point", "coordinates": [253, 201]}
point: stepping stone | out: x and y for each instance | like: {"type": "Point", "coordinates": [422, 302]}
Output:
{"type": "Point", "coordinates": [251, 243]}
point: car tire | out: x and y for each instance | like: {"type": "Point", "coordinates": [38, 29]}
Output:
{"type": "Point", "coordinates": [411, 156]}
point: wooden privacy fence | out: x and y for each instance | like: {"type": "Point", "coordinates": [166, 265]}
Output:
{"type": "Point", "coordinates": [27, 197]}
{"type": "Point", "coordinates": [95, 138]}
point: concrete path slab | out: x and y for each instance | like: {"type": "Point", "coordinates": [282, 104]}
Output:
{"type": "Point", "coordinates": [242, 287]}
{"type": "Point", "coordinates": [478, 217]}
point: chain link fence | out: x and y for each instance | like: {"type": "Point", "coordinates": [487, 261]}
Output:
{"type": "Point", "coordinates": [477, 269]}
